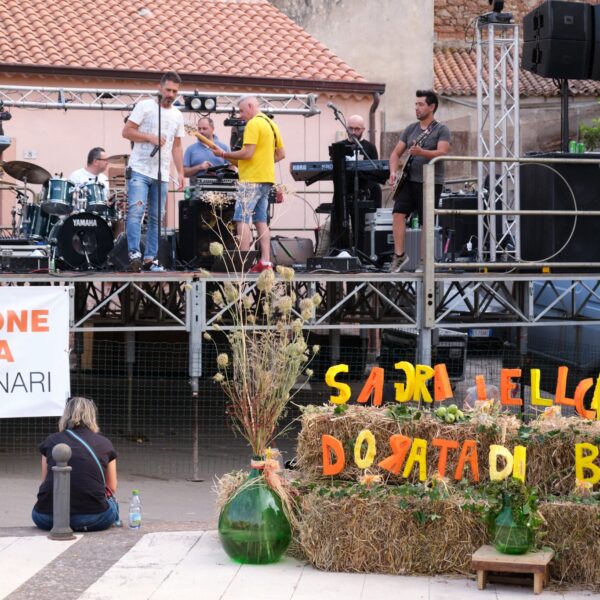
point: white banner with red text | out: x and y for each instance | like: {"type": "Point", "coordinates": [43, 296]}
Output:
{"type": "Point", "coordinates": [34, 351]}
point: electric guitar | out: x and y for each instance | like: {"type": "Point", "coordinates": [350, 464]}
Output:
{"type": "Point", "coordinates": [193, 131]}
{"type": "Point", "coordinates": [403, 175]}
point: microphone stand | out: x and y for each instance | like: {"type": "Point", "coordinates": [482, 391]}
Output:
{"type": "Point", "coordinates": [356, 145]}
{"type": "Point", "coordinates": [159, 175]}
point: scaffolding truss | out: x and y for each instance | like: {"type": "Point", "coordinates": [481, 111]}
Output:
{"type": "Point", "coordinates": [115, 99]}
{"type": "Point", "coordinates": [498, 136]}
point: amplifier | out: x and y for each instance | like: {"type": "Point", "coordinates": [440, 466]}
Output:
{"type": "Point", "coordinates": [380, 218]}
{"type": "Point", "coordinates": [24, 258]}
{"type": "Point", "coordinates": [380, 244]}
{"type": "Point", "coordinates": [341, 264]}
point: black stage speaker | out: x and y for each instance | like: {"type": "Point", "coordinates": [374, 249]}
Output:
{"type": "Point", "coordinates": [595, 68]}
{"type": "Point", "coordinates": [558, 40]}
{"type": "Point", "coordinates": [457, 230]}
{"type": "Point", "coordinates": [118, 257]}
{"type": "Point", "coordinates": [558, 59]}
{"type": "Point", "coordinates": [543, 189]}
{"type": "Point", "coordinates": [198, 227]}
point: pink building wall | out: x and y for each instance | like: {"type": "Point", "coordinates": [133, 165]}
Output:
{"type": "Point", "coordinates": [59, 140]}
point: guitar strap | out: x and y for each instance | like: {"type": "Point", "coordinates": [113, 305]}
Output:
{"type": "Point", "coordinates": [426, 133]}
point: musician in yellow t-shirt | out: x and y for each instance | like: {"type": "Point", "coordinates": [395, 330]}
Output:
{"type": "Point", "coordinates": [261, 148]}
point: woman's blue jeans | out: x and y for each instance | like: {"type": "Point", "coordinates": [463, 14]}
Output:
{"type": "Point", "coordinates": [142, 192]}
{"type": "Point", "coordinates": [95, 522]}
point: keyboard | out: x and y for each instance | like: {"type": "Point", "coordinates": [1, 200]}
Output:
{"type": "Point", "coordinates": [378, 170]}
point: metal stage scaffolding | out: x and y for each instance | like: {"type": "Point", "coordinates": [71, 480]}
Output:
{"type": "Point", "coordinates": [464, 299]}
{"type": "Point", "coordinates": [21, 96]}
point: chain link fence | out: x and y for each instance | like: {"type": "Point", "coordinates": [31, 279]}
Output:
{"type": "Point", "coordinates": [160, 430]}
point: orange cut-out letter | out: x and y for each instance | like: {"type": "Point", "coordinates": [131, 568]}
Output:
{"type": "Point", "coordinates": [344, 388]}
{"type": "Point", "coordinates": [507, 386]}
{"type": "Point", "coordinates": [332, 445]}
{"type": "Point", "coordinates": [536, 398]}
{"type": "Point", "coordinates": [580, 392]}
{"type": "Point", "coordinates": [373, 384]}
{"type": "Point", "coordinates": [561, 388]}
{"type": "Point", "coordinates": [480, 385]}
{"type": "Point", "coordinates": [400, 445]}
{"type": "Point", "coordinates": [468, 454]}
{"type": "Point", "coordinates": [444, 446]}
{"type": "Point", "coordinates": [442, 390]}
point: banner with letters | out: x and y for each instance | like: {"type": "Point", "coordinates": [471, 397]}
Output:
{"type": "Point", "coordinates": [34, 351]}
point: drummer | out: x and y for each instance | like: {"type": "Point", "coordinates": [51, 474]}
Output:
{"type": "Point", "coordinates": [93, 172]}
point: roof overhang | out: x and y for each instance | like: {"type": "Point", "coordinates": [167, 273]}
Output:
{"type": "Point", "coordinates": [301, 85]}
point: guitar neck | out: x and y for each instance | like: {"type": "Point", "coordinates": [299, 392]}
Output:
{"type": "Point", "coordinates": [203, 139]}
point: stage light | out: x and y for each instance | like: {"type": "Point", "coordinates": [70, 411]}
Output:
{"type": "Point", "coordinates": [198, 103]}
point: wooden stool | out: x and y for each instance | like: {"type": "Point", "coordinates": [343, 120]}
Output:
{"type": "Point", "coordinates": [487, 558]}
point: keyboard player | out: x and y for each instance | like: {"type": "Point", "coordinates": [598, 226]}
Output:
{"type": "Point", "coordinates": [369, 191]}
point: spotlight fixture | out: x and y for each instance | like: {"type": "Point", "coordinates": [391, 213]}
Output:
{"type": "Point", "coordinates": [496, 16]}
{"type": "Point", "coordinates": [198, 103]}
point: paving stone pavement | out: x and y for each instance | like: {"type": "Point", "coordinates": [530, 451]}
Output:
{"type": "Point", "coordinates": [183, 563]}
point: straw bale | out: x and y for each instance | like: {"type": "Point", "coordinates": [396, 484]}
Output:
{"type": "Point", "coordinates": [347, 426]}
{"type": "Point", "coordinates": [573, 531]}
{"type": "Point", "coordinates": [550, 444]}
{"type": "Point", "coordinates": [380, 535]}
{"type": "Point", "coordinates": [551, 452]}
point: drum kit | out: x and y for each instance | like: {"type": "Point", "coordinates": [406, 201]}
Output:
{"type": "Point", "coordinates": [76, 220]}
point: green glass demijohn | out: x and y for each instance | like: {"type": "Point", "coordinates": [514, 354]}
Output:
{"type": "Point", "coordinates": [509, 536]}
{"type": "Point", "coordinates": [253, 526]}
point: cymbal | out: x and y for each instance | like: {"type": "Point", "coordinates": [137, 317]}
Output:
{"type": "Point", "coordinates": [120, 159]}
{"type": "Point", "coordinates": [24, 171]}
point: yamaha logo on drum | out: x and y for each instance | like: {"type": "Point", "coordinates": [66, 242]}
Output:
{"type": "Point", "coordinates": [85, 223]}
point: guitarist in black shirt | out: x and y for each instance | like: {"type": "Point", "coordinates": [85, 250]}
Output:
{"type": "Point", "coordinates": [424, 139]}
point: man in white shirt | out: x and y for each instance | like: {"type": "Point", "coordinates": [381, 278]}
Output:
{"type": "Point", "coordinates": [143, 187]}
{"type": "Point", "coordinates": [93, 172]}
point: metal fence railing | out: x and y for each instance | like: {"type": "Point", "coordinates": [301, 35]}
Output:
{"type": "Point", "coordinates": [161, 430]}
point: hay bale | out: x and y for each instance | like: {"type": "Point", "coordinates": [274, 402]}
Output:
{"type": "Point", "coordinates": [551, 452]}
{"type": "Point", "coordinates": [573, 530]}
{"type": "Point", "coordinates": [550, 444]}
{"type": "Point", "coordinates": [381, 533]}
{"type": "Point", "coordinates": [346, 427]}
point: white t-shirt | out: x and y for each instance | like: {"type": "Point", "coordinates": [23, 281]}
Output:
{"type": "Point", "coordinates": [145, 115]}
{"type": "Point", "coordinates": [83, 176]}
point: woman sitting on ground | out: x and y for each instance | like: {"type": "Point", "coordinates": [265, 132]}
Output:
{"type": "Point", "coordinates": [93, 476]}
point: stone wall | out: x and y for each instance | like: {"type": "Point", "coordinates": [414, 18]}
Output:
{"type": "Point", "coordinates": [453, 19]}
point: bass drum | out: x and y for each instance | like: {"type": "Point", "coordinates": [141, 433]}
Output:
{"type": "Point", "coordinates": [82, 241]}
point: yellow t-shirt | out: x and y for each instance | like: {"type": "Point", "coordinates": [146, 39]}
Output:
{"type": "Point", "coordinates": [264, 134]}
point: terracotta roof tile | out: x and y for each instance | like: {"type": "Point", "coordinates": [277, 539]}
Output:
{"type": "Point", "coordinates": [229, 37]}
{"type": "Point", "coordinates": [455, 73]}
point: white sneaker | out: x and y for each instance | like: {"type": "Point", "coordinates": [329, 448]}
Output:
{"type": "Point", "coordinates": [399, 261]}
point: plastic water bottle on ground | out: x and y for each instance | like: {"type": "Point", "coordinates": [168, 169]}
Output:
{"type": "Point", "coordinates": [135, 510]}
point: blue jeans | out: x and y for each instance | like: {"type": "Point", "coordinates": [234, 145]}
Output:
{"type": "Point", "coordinates": [142, 191]}
{"type": "Point", "coordinates": [94, 522]}
{"type": "Point", "coordinates": [252, 202]}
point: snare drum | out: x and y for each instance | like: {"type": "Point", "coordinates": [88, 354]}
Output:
{"type": "Point", "coordinates": [58, 196]}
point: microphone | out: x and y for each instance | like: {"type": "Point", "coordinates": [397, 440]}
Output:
{"type": "Point", "coordinates": [154, 151]}
{"type": "Point", "coordinates": [333, 107]}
